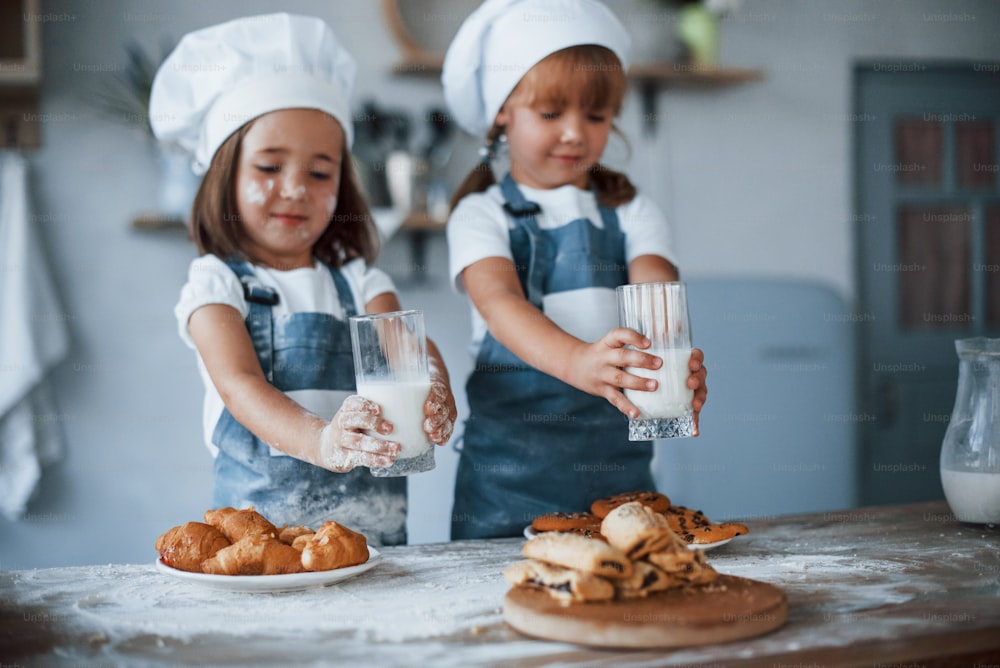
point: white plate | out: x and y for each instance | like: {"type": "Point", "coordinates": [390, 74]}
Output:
{"type": "Point", "coordinates": [273, 583]}
{"type": "Point", "coordinates": [530, 533]}
{"type": "Point", "coordinates": [708, 546]}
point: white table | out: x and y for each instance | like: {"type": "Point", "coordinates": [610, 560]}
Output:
{"type": "Point", "coordinates": [873, 585]}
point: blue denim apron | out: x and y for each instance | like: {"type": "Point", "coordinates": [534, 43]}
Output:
{"type": "Point", "coordinates": [532, 443]}
{"type": "Point", "coordinates": [302, 351]}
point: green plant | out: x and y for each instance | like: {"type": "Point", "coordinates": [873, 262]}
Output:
{"type": "Point", "coordinates": [124, 96]}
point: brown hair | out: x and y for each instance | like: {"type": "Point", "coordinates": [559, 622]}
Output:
{"type": "Point", "coordinates": [589, 74]}
{"type": "Point", "coordinates": [216, 225]}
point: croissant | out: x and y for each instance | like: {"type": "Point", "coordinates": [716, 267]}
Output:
{"type": "Point", "coordinates": [236, 524]}
{"type": "Point", "coordinates": [288, 534]}
{"type": "Point", "coordinates": [254, 555]}
{"type": "Point", "coordinates": [637, 530]}
{"type": "Point", "coordinates": [683, 566]}
{"type": "Point", "coordinates": [300, 542]}
{"type": "Point", "coordinates": [186, 546]}
{"type": "Point", "coordinates": [334, 546]}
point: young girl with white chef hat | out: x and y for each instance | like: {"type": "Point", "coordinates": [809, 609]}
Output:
{"type": "Point", "coordinates": [285, 239]}
{"type": "Point", "coordinates": [539, 254]}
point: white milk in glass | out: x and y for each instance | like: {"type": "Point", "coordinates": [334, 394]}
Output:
{"type": "Point", "coordinates": [973, 496]}
{"type": "Point", "coordinates": [403, 405]}
{"type": "Point", "coordinates": [672, 397]}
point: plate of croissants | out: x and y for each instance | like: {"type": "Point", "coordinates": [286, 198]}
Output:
{"type": "Point", "coordinates": [241, 550]}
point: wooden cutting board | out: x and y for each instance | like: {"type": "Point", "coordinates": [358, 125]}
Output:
{"type": "Point", "coordinates": [731, 608]}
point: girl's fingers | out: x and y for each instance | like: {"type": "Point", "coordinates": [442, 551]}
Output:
{"type": "Point", "coordinates": [697, 379]}
{"type": "Point", "coordinates": [357, 403]}
{"type": "Point", "coordinates": [434, 408]}
{"type": "Point", "coordinates": [621, 402]}
{"type": "Point", "coordinates": [439, 433]}
{"type": "Point", "coordinates": [360, 442]}
{"type": "Point", "coordinates": [622, 336]}
{"type": "Point", "coordinates": [360, 414]}
{"type": "Point", "coordinates": [370, 444]}
{"type": "Point", "coordinates": [439, 426]}
{"type": "Point", "coordinates": [438, 394]}
{"type": "Point", "coordinates": [639, 359]}
{"type": "Point", "coordinates": [363, 421]}
{"type": "Point", "coordinates": [438, 423]}
{"type": "Point", "coordinates": [342, 451]}
{"type": "Point", "coordinates": [629, 381]}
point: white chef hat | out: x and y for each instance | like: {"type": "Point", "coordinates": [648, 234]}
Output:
{"type": "Point", "coordinates": [502, 39]}
{"type": "Point", "coordinates": [219, 78]}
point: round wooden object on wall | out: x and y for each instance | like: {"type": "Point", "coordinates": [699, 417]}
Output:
{"type": "Point", "coordinates": [731, 608]}
{"type": "Point", "coordinates": [425, 29]}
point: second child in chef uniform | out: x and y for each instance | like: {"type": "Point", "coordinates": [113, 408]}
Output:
{"type": "Point", "coordinates": [285, 240]}
{"type": "Point", "coordinates": [539, 255]}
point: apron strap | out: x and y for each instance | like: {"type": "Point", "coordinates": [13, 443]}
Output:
{"type": "Point", "coordinates": [254, 291]}
{"type": "Point", "coordinates": [515, 203]}
{"type": "Point", "coordinates": [523, 212]}
{"type": "Point", "coordinates": [343, 292]}
{"type": "Point", "coordinates": [259, 322]}
{"type": "Point", "coordinates": [609, 217]}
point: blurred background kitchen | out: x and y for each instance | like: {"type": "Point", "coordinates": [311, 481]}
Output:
{"type": "Point", "coordinates": [830, 170]}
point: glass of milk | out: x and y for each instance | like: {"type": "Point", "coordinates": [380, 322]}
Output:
{"type": "Point", "coordinates": [970, 452]}
{"type": "Point", "coordinates": [390, 367]}
{"type": "Point", "coordinates": [659, 312]}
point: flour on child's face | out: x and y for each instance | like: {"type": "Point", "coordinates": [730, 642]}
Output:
{"type": "Point", "coordinates": [293, 192]}
{"type": "Point", "coordinates": [287, 181]}
{"type": "Point", "coordinates": [254, 193]}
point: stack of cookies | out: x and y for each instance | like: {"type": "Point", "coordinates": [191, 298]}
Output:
{"type": "Point", "coordinates": [691, 525]}
{"type": "Point", "coordinates": [638, 555]}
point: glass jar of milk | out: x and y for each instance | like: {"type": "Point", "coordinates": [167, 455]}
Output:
{"type": "Point", "coordinates": [970, 453]}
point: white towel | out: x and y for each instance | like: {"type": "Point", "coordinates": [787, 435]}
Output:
{"type": "Point", "coordinates": [33, 339]}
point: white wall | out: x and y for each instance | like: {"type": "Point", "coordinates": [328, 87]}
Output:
{"type": "Point", "coordinates": [757, 180]}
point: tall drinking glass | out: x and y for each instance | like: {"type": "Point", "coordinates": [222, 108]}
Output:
{"type": "Point", "coordinates": [390, 367]}
{"type": "Point", "coordinates": [659, 312]}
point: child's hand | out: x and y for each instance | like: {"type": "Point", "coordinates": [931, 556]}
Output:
{"type": "Point", "coordinates": [599, 368]}
{"type": "Point", "coordinates": [441, 413]}
{"type": "Point", "coordinates": [696, 381]}
{"type": "Point", "coordinates": [344, 445]}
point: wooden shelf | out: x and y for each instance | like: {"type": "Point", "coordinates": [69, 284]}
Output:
{"type": "Point", "coordinates": [687, 76]}
{"type": "Point", "coordinates": [421, 66]}
{"type": "Point", "coordinates": [651, 78]}
{"type": "Point", "coordinates": [421, 222]}
{"type": "Point", "coordinates": [156, 221]}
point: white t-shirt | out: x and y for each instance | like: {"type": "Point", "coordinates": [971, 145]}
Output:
{"type": "Point", "coordinates": [211, 281]}
{"type": "Point", "coordinates": [479, 228]}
